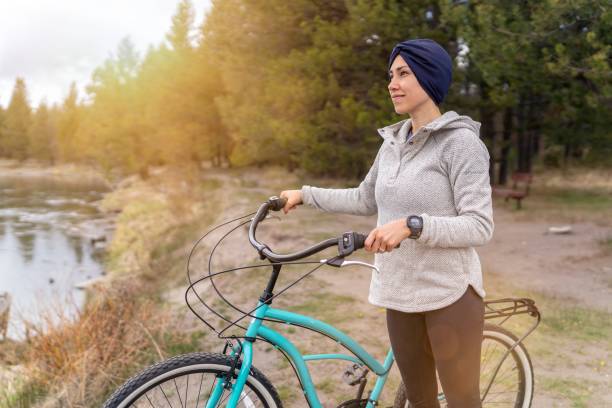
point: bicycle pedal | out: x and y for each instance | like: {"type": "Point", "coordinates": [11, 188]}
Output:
{"type": "Point", "coordinates": [354, 374]}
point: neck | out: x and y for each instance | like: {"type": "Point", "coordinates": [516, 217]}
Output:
{"type": "Point", "coordinates": [424, 114]}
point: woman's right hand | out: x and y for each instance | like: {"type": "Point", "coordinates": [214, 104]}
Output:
{"type": "Point", "coordinates": [294, 198]}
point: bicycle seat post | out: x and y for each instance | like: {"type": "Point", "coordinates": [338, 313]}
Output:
{"type": "Point", "coordinates": [266, 296]}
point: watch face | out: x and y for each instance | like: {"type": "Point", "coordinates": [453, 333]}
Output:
{"type": "Point", "coordinates": [415, 222]}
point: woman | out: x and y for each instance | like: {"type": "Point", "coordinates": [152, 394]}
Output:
{"type": "Point", "coordinates": [429, 185]}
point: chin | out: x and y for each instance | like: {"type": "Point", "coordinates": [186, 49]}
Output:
{"type": "Point", "coordinates": [401, 110]}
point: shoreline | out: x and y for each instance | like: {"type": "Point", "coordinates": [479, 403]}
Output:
{"type": "Point", "coordinates": [68, 173]}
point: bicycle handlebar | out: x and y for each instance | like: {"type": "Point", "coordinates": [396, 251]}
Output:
{"type": "Point", "coordinates": [347, 244]}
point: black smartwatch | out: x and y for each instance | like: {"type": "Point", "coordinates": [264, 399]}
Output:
{"type": "Point", "coordinates": [415, 225]}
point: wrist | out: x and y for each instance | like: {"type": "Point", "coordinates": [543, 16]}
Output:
{"type": "Point", "coordinates": [405, 230]}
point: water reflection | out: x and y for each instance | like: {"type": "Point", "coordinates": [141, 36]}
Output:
{"type": "Point", "coordinates": [46, 232]}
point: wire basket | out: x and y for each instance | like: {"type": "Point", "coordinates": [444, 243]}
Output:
{"type": "Point", "coordinates": [208, 298]}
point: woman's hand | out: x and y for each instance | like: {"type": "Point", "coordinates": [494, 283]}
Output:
{"type": "Point", "coordinates": [294, 198]}
{"type": "Point", "coordinates": [387, 237]}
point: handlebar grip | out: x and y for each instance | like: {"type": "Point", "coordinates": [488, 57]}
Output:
{"type": "Point", "coordinates": [277, 203]}
{"type": "Point", "coordinates": [359, 240]}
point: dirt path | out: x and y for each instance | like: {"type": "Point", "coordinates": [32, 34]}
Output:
{"type": "Point", "coordinates": [570, 267]}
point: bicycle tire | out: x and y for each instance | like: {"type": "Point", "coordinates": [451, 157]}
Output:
{"type": "Point", "coordinates": [146, 386]}
{"type": "Point", "coordinates": [494, 334]}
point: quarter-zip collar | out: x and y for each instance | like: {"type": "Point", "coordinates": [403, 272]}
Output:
{"type": "Point", "coordinates": [397, 132]}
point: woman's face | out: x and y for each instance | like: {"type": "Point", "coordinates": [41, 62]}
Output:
{"type": "Point", "coordinates": [406, 93]}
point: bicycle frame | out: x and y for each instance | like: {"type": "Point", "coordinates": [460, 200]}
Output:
{"type": "Point", "coordinates": [257, 328]}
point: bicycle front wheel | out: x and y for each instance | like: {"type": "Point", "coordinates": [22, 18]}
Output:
{"type": "Point", "coordinates": [506, 376]}
{"type": "Point", "coordinates": [188, 381]}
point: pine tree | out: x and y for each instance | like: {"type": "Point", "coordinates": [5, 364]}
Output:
{"type": "Point", "coordinates": [17, 122]}
{"type": "Point", "coordinates": [181, 32]}
{"type": "Point", "coordinates": [109, 133]}
{"type": "Point", "coordinates": [41, 134]}
{"type": "Point", "coordinates": [67, 149]}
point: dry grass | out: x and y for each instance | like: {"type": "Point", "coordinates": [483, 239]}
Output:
{"type": "Point", "coordinates": [570, 196]}
{"type": "Point", "coordinates": [80, 359]}
{"type": "Point", "coordinates": [576, 179]}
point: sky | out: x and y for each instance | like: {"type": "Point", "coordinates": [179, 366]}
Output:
{"type": "Point", "coordinates": [51, 43]}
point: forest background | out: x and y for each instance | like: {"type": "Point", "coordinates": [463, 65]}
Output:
{"type": "Point", "coordinates": [303, 84]}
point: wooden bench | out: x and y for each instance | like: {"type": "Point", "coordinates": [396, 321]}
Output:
{"type": "Point", "coordinates": [519, 190]}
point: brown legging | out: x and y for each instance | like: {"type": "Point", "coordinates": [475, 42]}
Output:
{"type": "Point", "coordinates": [449, 339]}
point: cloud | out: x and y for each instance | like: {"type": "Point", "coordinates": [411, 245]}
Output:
{"type": "Point", "coordinates": [52, 43]}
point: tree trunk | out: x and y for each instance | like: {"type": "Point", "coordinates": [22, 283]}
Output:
{"type": "Point", "coordinates": [523, 143]}
{"type": "Point", "coordinates": [506, 144]}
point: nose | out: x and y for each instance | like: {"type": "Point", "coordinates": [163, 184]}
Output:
{"type": "Point", "coordinates": [392, 84]}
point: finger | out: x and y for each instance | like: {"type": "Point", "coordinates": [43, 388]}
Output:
{"type": "Point", "coordinates": [368, 242]}
{"type": "Point", "coordinates": [376, 245]}
{"type": "Point", "coordinates": [289, 207]}
{"type": "Point", "coordinates": [283, 194]}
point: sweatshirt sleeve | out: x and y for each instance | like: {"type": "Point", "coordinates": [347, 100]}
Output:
{"type": "Point", "coordinates": [467, 161]}
{"type": "Point", "coordinates": [358, 201]}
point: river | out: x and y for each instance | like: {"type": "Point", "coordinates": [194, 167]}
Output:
{"type": "Point", "coordinates": [51, 239]}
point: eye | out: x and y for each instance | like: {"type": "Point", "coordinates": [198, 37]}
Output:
{"type": "Point", "coordinates": [404, 73]}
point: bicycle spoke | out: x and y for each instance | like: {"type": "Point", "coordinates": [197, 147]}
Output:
{"type": "Point", "coordinates": [199, 391]}
{"type": "Point", "coordinates": [227, 396]}
{"type": "Point", "coordinates": [221, 400]}
{"type": "Point", "coordinates": [211, 389]}
{"type": "Point", "coordinates": [488, 355]}
{"type": "Point", "coordinates": [165, 396]}
{"type": "Point", "coordinates": [244, 396]}
{"type": "Point", "coordinates": [186, 391]}
{"type": "Point", "coordinates": [503, 375]}
{"type": "Point", "coordinates": [501, 392]}
{"type": "Point", "coordinates": [177, 387]}
{"type": "Point", "coordinates": [150, 403]}
{"type": "Point", "coordinates": [506, 375]}
{"type": "Point", "coordinates": [178, 393]}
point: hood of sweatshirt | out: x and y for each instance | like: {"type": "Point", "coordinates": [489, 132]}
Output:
{"type": "Point", "coordinates": [449, 120]}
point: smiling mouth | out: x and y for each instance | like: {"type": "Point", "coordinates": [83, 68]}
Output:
{"type": "Point", "coordinates": [397, 97]}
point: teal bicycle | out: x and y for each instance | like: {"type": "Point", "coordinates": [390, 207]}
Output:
{"type": "Point", "coordinates": [229, 379]}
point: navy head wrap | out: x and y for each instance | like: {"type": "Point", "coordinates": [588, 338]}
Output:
{"type": "Point", "coordinates": [430, 63]}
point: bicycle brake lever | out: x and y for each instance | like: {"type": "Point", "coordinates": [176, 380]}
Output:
{"type": "Point", "coordinates": [339, 263]}
{"type": "Point", "coordinates": [349, 263]}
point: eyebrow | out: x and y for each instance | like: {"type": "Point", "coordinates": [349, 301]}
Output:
{"type": "Point", "coordinates": [398, 69]}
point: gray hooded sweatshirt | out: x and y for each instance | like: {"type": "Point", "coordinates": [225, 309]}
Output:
{"type": "Point", "coordinates": [441, 174]}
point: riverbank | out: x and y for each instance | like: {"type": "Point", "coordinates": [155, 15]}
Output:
{"type": "Point", "coordinates": [64, 172]}
{"type": "Point", "coordinates": [154, 221]}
